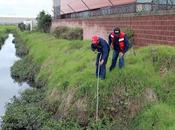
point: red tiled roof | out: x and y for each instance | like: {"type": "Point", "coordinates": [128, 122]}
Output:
{"type": "Point", "coordinates": [78, 5]}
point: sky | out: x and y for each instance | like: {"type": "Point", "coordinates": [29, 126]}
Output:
{"type": "Point", "coordinates": [24, 8]}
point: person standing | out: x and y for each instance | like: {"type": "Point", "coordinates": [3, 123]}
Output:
{"type": "Point", "coordinates": [119, 42]}
{"type": "Point", "coordinates": [102, 48]}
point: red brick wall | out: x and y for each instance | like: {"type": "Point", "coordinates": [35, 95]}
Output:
{"type": "Point", "coordinates": [148, 29]}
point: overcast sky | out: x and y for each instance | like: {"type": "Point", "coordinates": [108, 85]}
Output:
{"type": "Point", "coordinates": [24, 8]}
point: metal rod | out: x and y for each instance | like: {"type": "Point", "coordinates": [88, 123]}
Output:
{"type": "Point", "coordinates": [85, 4]}
{"type": "Point", "coordinates": [111, 2]}
{"type": "Point", "coordinates": [71, 8]}
{"type": "Point", "coordinates": [97, 93]}
{"type": "Point", "coordinates": [62, 11]}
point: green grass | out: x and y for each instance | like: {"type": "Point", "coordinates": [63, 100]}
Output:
{"type": "Point", "coordinates": [68, 67]}
{"type": "Point", "coordinates": [157, 117]}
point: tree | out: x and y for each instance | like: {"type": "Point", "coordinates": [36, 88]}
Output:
{"type": "Point", "coordinates": [44, 21]}
{"type": "Point", "coordinates": [21, 26]}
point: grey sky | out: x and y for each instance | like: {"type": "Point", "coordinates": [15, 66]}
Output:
{"type": "Point", "coordinates": [24, 8]}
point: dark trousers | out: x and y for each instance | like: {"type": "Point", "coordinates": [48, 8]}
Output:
{"type": "Point", "coordinates": [114, 60]}
{"type": "Point", "coordinates": [102, 69]}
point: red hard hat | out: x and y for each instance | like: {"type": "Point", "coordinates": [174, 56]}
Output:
{"type": "Point", "coordinates": [95, 39]}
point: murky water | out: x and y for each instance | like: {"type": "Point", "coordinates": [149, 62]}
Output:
{"type": "Point", "coordinates": [8, 87]}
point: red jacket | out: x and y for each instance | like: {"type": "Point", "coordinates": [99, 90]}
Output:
{"type": "Point", "coordinates": [118, 44]}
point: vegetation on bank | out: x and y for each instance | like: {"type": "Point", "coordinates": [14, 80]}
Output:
{"type": "Point", "coordinates": [4, 30]}
{"type": "Point", "coordinates": [139, 97]}
{"type": "Point", "coordinates": [3, 34]}
{"type": "Point", "coordinates": [64, 32]}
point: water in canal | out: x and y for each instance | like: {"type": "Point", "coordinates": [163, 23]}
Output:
{"type": "Point", "coordinates": [8, 87]}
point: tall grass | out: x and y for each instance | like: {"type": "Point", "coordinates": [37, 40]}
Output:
{"type": "Point", "coordinates": [140, 92]}
{"type": "Point", "coordinates": [70, 64]}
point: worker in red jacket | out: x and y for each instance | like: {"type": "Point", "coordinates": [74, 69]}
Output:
{"type": "Point", "coordinates": [102, 48]}
{"type": "Point", "coordinates": [119, 42]}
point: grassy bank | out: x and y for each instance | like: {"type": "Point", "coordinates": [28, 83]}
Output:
{"type": "Point", "coordinates": [140, 97]}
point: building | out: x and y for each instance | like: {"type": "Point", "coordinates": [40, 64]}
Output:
{"type": "Point", "coordinates": [70, 6]}
{"type": "Point", "coordinates": [63, 7]}
{"type": "Point", "coordinates": [89, 8]}
{"type": "Point", "coordinates": [15, 20]}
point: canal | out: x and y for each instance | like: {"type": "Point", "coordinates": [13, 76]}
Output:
{"type": "Point", "coordinates": [8, 87]}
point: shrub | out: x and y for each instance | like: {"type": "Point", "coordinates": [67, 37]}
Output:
{"type": "Point", "coordinates": [68, 33]}
{"type": "Point", "coordinates": [21, 26]}
{"type": "Point", "coordinates": [75, 33]}
{"type": "Point", "coordinates": [130, 34]}
{"type": "Point", "coordinates": [44, 21]}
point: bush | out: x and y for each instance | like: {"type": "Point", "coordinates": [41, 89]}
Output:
{"type": "Point", "coordinates": [68, 33]}
{"type": "Point", "coordinates": [21, 26]}
{"type": "Point", "coordinates": [44, 21]}
{"type": "Point", "coordinates": [130, 34]}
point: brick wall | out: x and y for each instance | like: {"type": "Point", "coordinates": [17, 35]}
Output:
{"type": "Point", "coordinates": [152, 28]}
